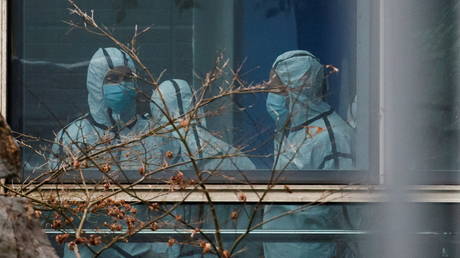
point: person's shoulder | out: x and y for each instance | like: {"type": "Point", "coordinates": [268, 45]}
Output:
{"type": "Point", "coordinates": [339, 125]}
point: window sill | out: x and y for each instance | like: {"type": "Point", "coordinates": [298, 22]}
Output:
{"type": "Point", "coordinates": [233, 193]}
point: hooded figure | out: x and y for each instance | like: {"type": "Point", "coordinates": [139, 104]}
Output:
{"type": "Point", "coordinates": [309, 136]}
{"type": "Point", "coordinates": [112, 118]}
{"type": "Point", "coordinates": [313, 136]}
{"type": "Point", "coordinates": [179, 102]}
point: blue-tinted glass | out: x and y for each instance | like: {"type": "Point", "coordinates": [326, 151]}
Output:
{"type": "Point", "coordinates": [59, 95]}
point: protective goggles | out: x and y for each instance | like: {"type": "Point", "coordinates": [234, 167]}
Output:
{"type": "Point", "coordinates": [118, 74]}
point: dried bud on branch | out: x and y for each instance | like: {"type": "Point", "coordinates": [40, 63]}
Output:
{"type": "Point", "coordinates": [207, 248]}
{"type": "Point", "coordinates": [62, 238]}
{"type": "Point", "coordinates": [105, 168]}
{"type": "Point", "coordinates": [95, 240]}
{"type": "Point", "coordinates": [56, 224]}
{"type": "Point", "coordinates": [169, 154]}
{"type": "Point", "coordinates": [37, 214]}
{"type": "Point", "coordinates": [234, 215]}
{"type": "Point", "coordinates": [76, 164]}
{"type": "Point", "coordinates": [226, 254]}
{"type": "Point", "coordinates": [72, 246]}
{"type": "Point", "coordinates": [81, 240]}
{"type": "Point", "coordinates": [114, 226]}
{"type": "Point", "coordinates": [242, 197]}
{"type": "Point", "coordinates": [142, 170]}
{"type": "Point", "coordinates": [184, 123]}
{"type": "Point", "coordinates": [154, 226]}
{"type": "Point", "coordinates": [171, 242]}
{"type": "Point", "coordinates": [154, 206]}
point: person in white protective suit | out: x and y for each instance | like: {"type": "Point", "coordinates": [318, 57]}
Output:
{"type": "Point", "coordinates": [207, 149]}
{"type": "Point", "coordinates": [112, 120]}
{"type": "Point", "coordinates": [309, 136]}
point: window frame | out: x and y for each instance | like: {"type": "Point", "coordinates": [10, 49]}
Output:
{"type": "Point", "coordinates": [439, 191]}
{"type": "Point", "coordinates": [369, 176]}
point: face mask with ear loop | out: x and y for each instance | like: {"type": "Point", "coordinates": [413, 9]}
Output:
{"type": "Point", "coordinates": [278, 104]}
{"type": "Point", "coordinates": [277, 108]}
{"type": "Point", "coordinates": [120, 97]}
{"type": "Point", "coordinates": [118, 88]}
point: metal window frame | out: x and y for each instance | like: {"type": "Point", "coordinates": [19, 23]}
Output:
{"type": "Point", "coordinates": [300, 194]}
{"type": "Point", "coordinates": [371, 192]}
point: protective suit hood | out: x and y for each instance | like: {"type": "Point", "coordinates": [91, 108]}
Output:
{"type": "Point", "coordinates": [102, 61]}
{"type": "Point", "coordinates": [316, 139]}
{"type": "Point", "coordinates": [178, 98]}
{"type": "Point", "coordinates": [303, 74]}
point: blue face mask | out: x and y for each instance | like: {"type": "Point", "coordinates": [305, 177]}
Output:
{"type": "Point", "coordinates": [278, 109]}
{"type": "Point", "coordinates": [120, 97]}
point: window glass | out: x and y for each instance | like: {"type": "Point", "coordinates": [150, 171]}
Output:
{"type": "Point", "coordinates": [50, 60]}
{"type": "Point", "coordinates": [433, 35]}
{"type": "Point", "coordinates": [433, 234]}
{"type": "Point", "coordinates": [333, 234]}
{"type": "Point", "coordinates": [76, 92]}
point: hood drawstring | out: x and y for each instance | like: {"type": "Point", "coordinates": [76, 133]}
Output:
{"type": "Point", "coordinates": [182, 113]}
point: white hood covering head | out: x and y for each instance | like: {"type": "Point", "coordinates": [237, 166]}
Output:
{"type": "Point", "coordinates": [178, 97]}
{"type": "Point", "coordinates": [303, 74]}
{"type": "Point", "coordinates": [97, 70]}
